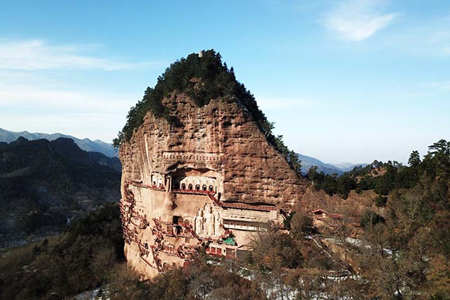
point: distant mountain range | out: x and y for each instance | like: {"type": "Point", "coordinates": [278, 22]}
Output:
{"type": "Point", "coordinates": [308, 162]}
{"type": "Point", "coordinates": [85, 144]}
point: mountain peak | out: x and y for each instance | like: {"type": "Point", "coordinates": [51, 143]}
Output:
{"type": "Point", "coordinates": [20, 141]}
{"type": "Point", "coordinates": [203, 78]}
{"type": "Point", "coordinates": [200, 80]}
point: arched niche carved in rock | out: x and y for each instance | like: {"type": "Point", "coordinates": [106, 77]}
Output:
{"type": "Point", "coordinates": [195, 179]}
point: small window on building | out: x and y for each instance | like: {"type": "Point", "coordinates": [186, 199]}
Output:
{"type": "Point", "coordinates": [183, 186]}
{"type": "Point", "coordinates": [204, 187]}
{"type": "Point", "coordinates": [190, 187]}
{"type": "Point", "coordinates": [211, 188]}
{"type": "Point", "coordinates": [197, 187]}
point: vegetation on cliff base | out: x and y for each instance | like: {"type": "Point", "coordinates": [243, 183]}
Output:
{"type": "Point", "coordinates": [203, 77]}
{"type": "Point", "coordinates": [78, 260]}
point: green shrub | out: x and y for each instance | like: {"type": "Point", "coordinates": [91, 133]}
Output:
{"type": "Point", "coordinates": [380, 201]}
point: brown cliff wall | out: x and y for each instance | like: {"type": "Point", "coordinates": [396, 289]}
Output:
{"type": "Point", "coordinates": [175, 179]}
{"type": "Point", "coordinates": [220, 136]}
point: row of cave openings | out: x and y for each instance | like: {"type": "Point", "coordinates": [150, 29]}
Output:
{"type": "Point", "coordinates": [190, 187]}
{"type": "Point", "coordinates": [189, 183]}
{"type": "Point", "coordinates": [197, 187]}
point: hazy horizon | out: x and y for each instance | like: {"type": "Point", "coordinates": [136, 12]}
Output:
{"type": "Point", "coordinates": [344, 81]}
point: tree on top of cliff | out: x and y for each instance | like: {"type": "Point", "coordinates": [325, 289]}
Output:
{"type": "Point", "coordinates": [203, 77]}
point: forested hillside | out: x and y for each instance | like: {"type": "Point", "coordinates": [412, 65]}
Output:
{"type": "Point", "coordinates": [385, 177]}
{"type": "Point", "coordinates": [46, 184]}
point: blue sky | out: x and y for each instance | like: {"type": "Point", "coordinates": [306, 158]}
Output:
{"type": "Point", "coordinates": [344, 81]}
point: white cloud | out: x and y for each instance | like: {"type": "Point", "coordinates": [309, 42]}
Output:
{"type": "Point", "coordinates": [357, 20]}
{"type": "Point", "coordinates": [26, 96]}
{"type": "Point", "coordinates": [94, 126]}
{"type": "Point", "coordinates": [32, 55]}
{"type": "Point", "coordinates": [82, 113]}
{"type": "Point", "coordinates": [31, 98]}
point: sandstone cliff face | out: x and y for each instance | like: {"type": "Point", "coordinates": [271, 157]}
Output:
{"type": "Point", "coordinates": [211, 180]}
{"type": "Point", "coordinates": [221, 137]}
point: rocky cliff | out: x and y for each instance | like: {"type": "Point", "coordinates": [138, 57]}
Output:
{"type": "Point", "coordinates": [205, 169]}
{"type": "Point", "coordinates": [220, 136]}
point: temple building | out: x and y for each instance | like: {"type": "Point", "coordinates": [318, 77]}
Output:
{"type": "Point", "coordinates": [180, 211]}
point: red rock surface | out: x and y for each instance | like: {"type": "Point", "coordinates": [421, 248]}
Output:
{"type": "Point", "coordinates": [220, 136]}
{"type": "Point", "coordinates": [212, 177]}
